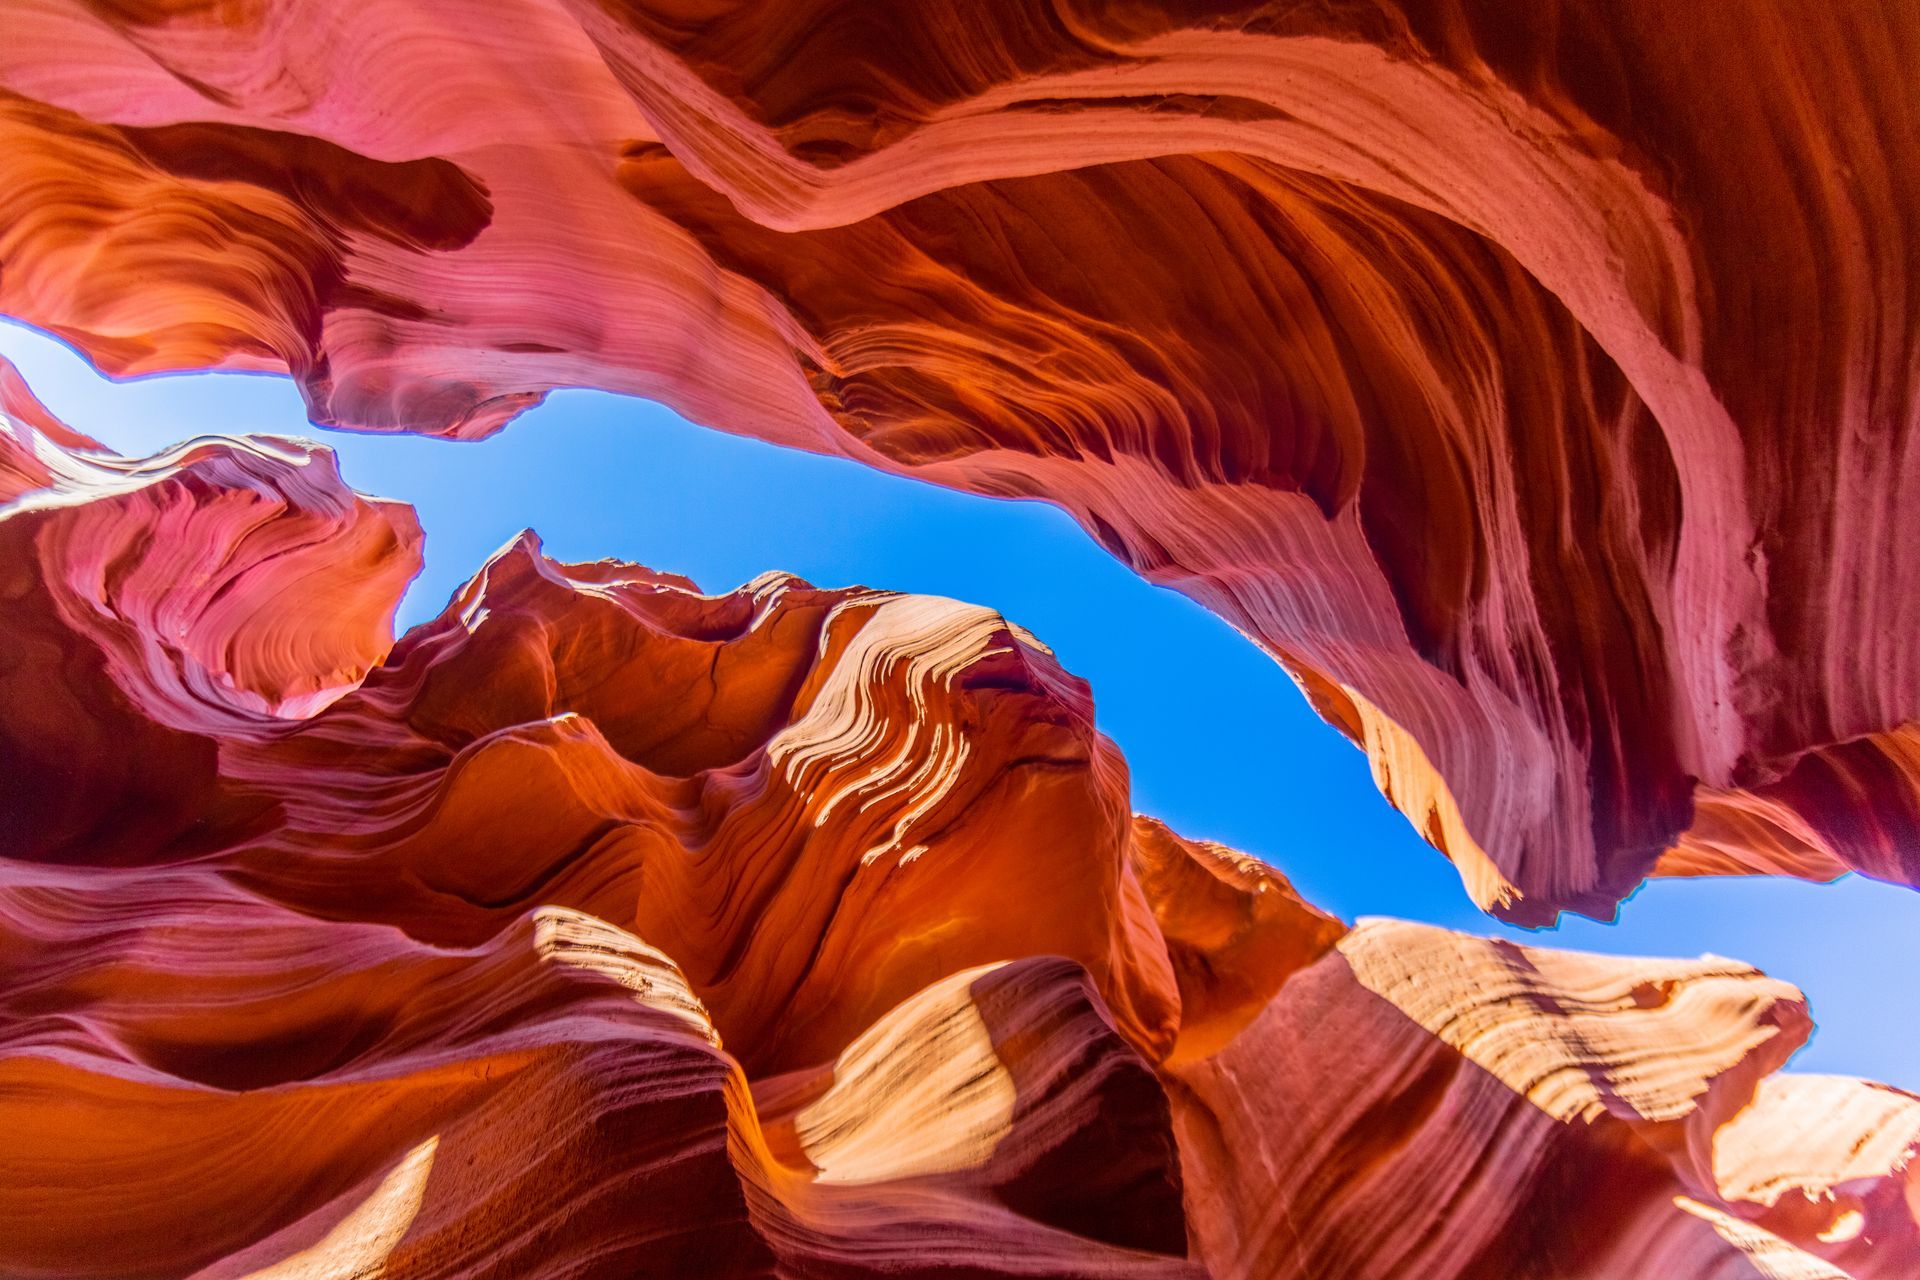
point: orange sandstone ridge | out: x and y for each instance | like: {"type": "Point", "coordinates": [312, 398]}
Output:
{"type": "Point", "coordinates": [1536, 381]}
{"type": "Point", "coordinates": [600, 927]}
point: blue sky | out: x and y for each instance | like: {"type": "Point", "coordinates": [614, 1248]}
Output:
{"type": "Point", "coordinates": [1221, 744]}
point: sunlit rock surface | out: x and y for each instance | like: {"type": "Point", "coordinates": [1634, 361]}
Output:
{"type": "Point", "coordinates": [600, 927]}
{"type": "Point", "coordinates": [1537, 381]}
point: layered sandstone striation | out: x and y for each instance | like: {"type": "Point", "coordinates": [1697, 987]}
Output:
{"type": "Point", "coordinates": [1536, 382]}
{"type": "Point", "coordinates": [604, 927]}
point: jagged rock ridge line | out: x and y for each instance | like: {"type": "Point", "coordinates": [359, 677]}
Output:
{"type": "Point", "coordinates": [1537, 382]}
{"type": "Point", "coordinates": [603, 927]}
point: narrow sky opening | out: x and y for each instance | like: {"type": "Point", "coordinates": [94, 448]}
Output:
{"type": "Point", "coordinates": [1221, 744]}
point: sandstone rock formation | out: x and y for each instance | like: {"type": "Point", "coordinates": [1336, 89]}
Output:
{"type": "Point", "coordinates": [1537, 381]}
{"type": "Point", "coordinates": [600, 927]}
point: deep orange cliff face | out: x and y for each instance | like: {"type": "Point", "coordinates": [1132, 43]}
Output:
{"type": "Point", "coordinates": [601, 927]}
{"type": "Point", "coordinates": [1535, 381]}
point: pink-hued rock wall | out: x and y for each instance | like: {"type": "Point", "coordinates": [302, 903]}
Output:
{"type": "Point", "coordinates": [1536, 381]}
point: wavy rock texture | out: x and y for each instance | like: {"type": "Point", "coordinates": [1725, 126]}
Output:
{"type": "Point", "coordinates": [1537, 382]}
{"type": "Point", "coordinates": [600, 927]}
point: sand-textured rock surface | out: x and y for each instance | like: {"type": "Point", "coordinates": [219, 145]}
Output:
{"type": "Point", "coordinates": [1537, 381]}
{"type": "Point", "coordinates": [602, 927]}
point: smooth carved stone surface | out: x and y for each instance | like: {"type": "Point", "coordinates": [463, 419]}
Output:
{"type": "Point", "coordinates": [600, 927]}
{"type": "Point", "coordinates": [1537, 382]}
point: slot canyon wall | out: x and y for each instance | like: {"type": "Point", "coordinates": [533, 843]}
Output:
{"type": "Point", "coordinates": [1536, 381]}
{"type": "Point", "coordinates": [600, 927]}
